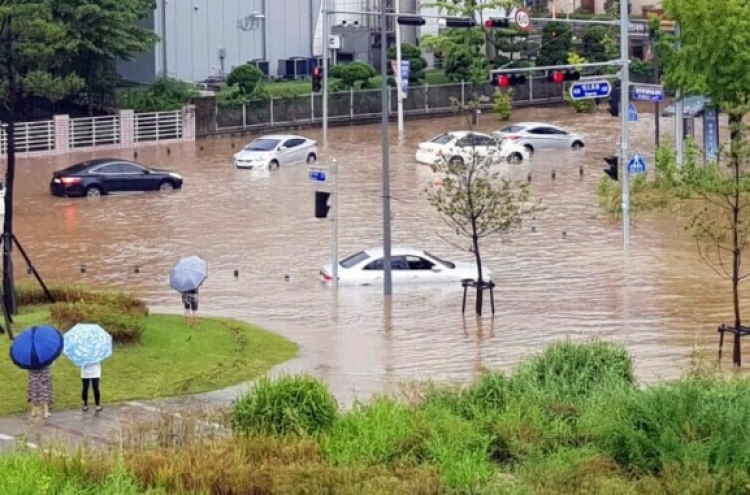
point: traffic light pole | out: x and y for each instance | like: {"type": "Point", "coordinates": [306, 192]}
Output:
{"type": "Point", "coordinates": [387, 280]}
{"type": "Point", "coordinates": [399, 75]}
{"type": "Point", "coordinates": [325, 42]}
{"type": "Point", "coordinates": [335, 226]}
{"type": "Point", "coordinates": [624, 115]}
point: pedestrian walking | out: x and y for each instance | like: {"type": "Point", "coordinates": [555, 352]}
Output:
{"type": "Point", "coordinates": [39, 392]}
{"type": "Point", "coordinates": [90, 376]}
{"type": "Point", "coordinates": [190, 301]}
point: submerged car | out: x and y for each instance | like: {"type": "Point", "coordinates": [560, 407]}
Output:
{"type": "Point", "coordinates": [94, 178]}
{"type": "Point", "coordinates": [464, 145]}
{"type": "Point", "coordinates": [272, 151]}
{"type": "Point", "coordinates": [536, 136]}
{"type": "Point", "coordinates": [408, 265]}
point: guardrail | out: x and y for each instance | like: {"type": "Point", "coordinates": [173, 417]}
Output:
{"type": "Point", "coordinates": [124, 130]}
{"type": "Point", "coordinates": [355, 104]}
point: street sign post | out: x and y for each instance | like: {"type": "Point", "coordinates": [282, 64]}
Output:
{"type": "Point", "coordinates": [648, 92]}
{"type": "Point", "coordinates": [590, 89]}
{"type": "Point", "coordinates": [636, 164]}
{"type": "Point", "coordinates": [317, 175]}
{"type": "Point", "coordinates": [632, 113]}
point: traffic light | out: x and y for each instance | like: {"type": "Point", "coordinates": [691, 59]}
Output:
{"type": "Point", "coordinates": [457, 22]}
{"type": "Point", "coordinates": [614, 100]}
{"type": "Point", "coordinates": [321, 204]}
{"type": "Point", "coordinates": [504, 80]}
{"type": "Point", "coordinates": [558, 76]}
{"type": "Point", "coordinates": [497, 22]}
{"type": "Point", "coordinates": [613, 170]}
{"type": "Point", "coordinates": [317, 79]}
{"type": "Point", "coordinates": [410, 20]}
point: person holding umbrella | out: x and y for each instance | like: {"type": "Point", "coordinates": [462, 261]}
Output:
{"type": "Point", "coordinates": [186, 277]}
{"type": "Point", "coordinates": [86, 346]}
{"type": "Point", "coordinates": [35, 349]}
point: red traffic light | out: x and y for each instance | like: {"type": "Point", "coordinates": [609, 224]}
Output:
{"type": "Point", "coordinates": [559, 76]}
{"type": "Point", "coordinates": [316, 72]}
{"type": "Point", "coordinates": [496, 22]}
{"type": "Point", "coordinates": [505, 80]}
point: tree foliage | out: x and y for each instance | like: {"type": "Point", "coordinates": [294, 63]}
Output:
{"type": "Point", "coordinates": [355, 75]}
{"type": "Point", "coordinates": [417, 62]}
{"type": "Point", "coordinates": [247, 78]}
{"type": "Point", "coordinates": [557, 43]}
{"type": "Point", "coordinates": [163, 95]}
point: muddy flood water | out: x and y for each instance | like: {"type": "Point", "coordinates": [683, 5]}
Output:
{"type": "Point", "coordinates": [568, 276]}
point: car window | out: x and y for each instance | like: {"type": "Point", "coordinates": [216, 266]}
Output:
{"type": "Point", "coordinates": [129, 168]}
{"type": "Point", "coordinates": [293, 143]}
{"type": "Point", "coordinates": [397, 263]}
{"type": "Point", "coordinates": [538, 131]}
{"type": "Point", "coordinates": [354, 259]}
{"type": "Point", "coordinates": [442, 139]}
{"type": "Point", "coordinates": [482, 140]}
{"type": "Point", "coordinates": [511, 129]}
{"type": "Point", "coordinates": [111, 168]}
{"type": "Point", "coordinates": [558, 132]}
{"type": "Point", "coordinates": [419, 263]}
{"type": "Point", "coordinates": [262, 144]}
{"type": "Point", "coordinates": [441, 261]}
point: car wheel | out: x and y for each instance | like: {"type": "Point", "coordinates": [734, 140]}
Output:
{"type": "Point", "coordinates": [166, 186]}
{"type": "Point", "coordinates": [311, 158]}
{"type": "Point", "coordinates": [93, 192]}
{"type": "Point", "coordinates": [529, 148]}
{"type": "Point", "coordinates": [274, 165]}
{"type": "Point", "coordinates": [577, 145]}
{"type": "Point", "coordinates": [456, 160]}
{"type": "Point", "coordinates": [515, 157]}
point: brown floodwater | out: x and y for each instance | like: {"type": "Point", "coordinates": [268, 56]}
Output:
{"type": "Point", "coordinates": [568, 276]}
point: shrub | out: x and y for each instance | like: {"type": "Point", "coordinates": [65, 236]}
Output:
{"type": "Point", "coordinates": [246, 78]}
{"type": "Point", "coordinates": [503, 103]}
{"type": "Point", "coordinates": [291, 405]}
{"type": "Point", "coordinates": [28, 294]}
{"type": "Point", "coordinates": [355, 75]}
{"type": "Point", "coordinates": [124, 326]}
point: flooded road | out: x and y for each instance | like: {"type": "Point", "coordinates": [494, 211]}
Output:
{"type": "Point", "coordinates": [565, 277]}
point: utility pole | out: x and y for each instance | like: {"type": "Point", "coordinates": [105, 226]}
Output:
{"type": "Point", "coordinates": [387, 281]}
{"type": "Point", "coordinates": [657, 80]}
{"type": "Point", "coordinates": [400, 74]}
{"type": "Point", "coordinates": [679, 116]}
{"type": "Point", "coordinates": [325, 45]}
{"type": "Point", "coordinates": [624, 115]}
{"type": "Point", "coordinates": [164, 38]}
{"type": "Point", "coordinates": [335, 226]}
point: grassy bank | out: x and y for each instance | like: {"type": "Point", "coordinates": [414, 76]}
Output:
{"type": "Point", "coordinates": [570, 421]}
{"type": "Point", "coordinates": [167, 359]}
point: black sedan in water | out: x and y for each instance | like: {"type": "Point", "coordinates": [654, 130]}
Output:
{"type": "Point", "coordinates": [93, 178]}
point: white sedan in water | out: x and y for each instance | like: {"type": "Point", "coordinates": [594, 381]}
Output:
{"type": "Point", "coordinates": [408, 265]}
{"type": "Point", "coordinates": [463, 145]}
{"type": "Point", "coordinates": [270, 152]}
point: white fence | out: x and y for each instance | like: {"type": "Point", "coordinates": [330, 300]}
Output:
{"type": "Point", "coordinates": [123, 130]}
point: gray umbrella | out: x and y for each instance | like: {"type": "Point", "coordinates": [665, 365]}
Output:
{"type": "Point", "coordinates": [188, 274]}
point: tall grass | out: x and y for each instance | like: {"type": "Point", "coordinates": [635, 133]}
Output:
{"type": "Point", "coordinates": [569, 421]}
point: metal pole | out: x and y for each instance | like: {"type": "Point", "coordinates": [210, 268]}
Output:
{"type": "Point", "coordinates": [679, 115]}
{"type": "Point", "coordinates": [335, 225]}
{"type": "Point", "coordinates": [325, 43]}
{"type": "Point", "coordinates": [164, 38]}
{"type": "Point", "coordinates": [399, 83]}
{"type": "Point", "coordinates": [657, 116]}
{"type": "Point", "coordinates": [387, 282]}
{"type": "Point", "coordinates": [624, 113]}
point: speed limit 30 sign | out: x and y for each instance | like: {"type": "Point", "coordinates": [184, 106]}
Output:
{"type": "Point", "coordinates": [523, 19]}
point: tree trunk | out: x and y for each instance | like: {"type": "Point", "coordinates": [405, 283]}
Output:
{"type": "Point", "coordinates": [734, 123]}
{"type": "Point", "coordinates": [480, 276]}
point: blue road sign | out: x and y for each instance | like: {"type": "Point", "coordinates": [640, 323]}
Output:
{"type": "Point", "coordinates": [710, 134]}
{"type": "Point", "coordinates": [648, 93]}
{"type": "Point", "coordinates": [632, 113]}
{"type": "Point", "coordinates": [317, 175]}
{"type": "Point", "coordinates": [590, 89]}
{"type": "Point", "coordinates": [636, 164]}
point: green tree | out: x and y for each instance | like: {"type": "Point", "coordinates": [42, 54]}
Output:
{"type": "Point", "coordinates": [557, 42]}
{"type": "Point", "coordinates": [163, 95]}
{"type": "Point", "coordinates": [594, 45]}
{"type": "Point", "coordinates": [355, 75]}
{"type": "Point", "coordinates": [33, 44]}
{"type": "Point", "coordinates": [247, 78]}
{"type": "Point", "coordinates": [417, 62]}
{"type": "Point", "coordinates": [103, 31]}
{"type": "Point", "coordinates": [460, 50]}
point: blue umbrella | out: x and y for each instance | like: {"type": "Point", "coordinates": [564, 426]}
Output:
{"type": "Point", "coordinates": [188, 274]}
{"type": "Point", "coordinates": [36, 347]}
{"type": "Point", "coordinates": [87, 344]}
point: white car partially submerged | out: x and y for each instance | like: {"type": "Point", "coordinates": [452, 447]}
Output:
{"type": "Point", "coordinates": [464, 145]}
{"type": "Point", "coordinates": [270, 152]}
{"type": "Point", "coordinates": [408, 265]}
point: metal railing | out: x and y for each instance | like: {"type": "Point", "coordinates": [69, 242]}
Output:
{"type": "Point", "coordinates": [90, 132]}
{"type": "Point", "coordinates": [357, 104]}
{"type": "Point", "coordinates": [157, 126]}
{"type": "Point", "coordinates": [30, 137]}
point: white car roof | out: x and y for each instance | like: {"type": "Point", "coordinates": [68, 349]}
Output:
{"type": "Point", "coordinates": [535, 124]}
{"type": "Point", "coordinates": [378, 252]}
{"type": "Point", "coordinates": [280, 136]}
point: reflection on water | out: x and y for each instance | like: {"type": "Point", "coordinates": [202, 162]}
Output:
{"type": "Point", "coordinates": [562, 275]}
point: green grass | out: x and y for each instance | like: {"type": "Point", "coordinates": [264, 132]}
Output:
{"type": "Point", "coordinates": [171, 360]}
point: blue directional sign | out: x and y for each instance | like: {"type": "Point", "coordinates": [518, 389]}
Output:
{"type": "Point", "coordinates": [648, 93]}
{"type": "Point", "coordinates": [590, 89]}
{"type": "Point", "coordinates": [317, 175]}
{"type": "Point", "coordinates": [636, 164]}
{"type": "Point", "coordinates": [710, 134]}
{"type": "Point", "coordinates": [632, 113]}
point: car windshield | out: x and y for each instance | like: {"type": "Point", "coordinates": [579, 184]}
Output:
{"type": "Point", "coordinates": [511, 129]}
{"type": "Point", "coordinates": [262, 145]}
{"type": "Point", "coordinates": [441, 261]}
{"type": "Point", "coordinates": [442, 139]}
{"type": "Point", "coordinates": [354, 260]}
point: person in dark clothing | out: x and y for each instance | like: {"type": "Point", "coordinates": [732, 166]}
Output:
{"type": "Point", "coordinates": [90, 377]}
{"type": "Point", "coordinates": [190, 301]}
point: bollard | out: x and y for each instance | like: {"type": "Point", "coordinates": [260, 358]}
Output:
{"type": "Point", "coordinates": [169, 151]}
{"type": "Point", "coordinates": [565, 234]}
{"type": "Point", "coordinates": [533, 228]}
{"type": "Point", "coordinates": [580, 172]}
{"type": "Point", "coordinates": [201, 148]}
{"type": "Point", "coordinates": [83, 268]}
{"type": "Point", "coordinates": [528, 177]}
{"type": "Point", "coordinates": [232, 145]}
{"type": "Point", "coordinates": [137, 269]}
{"type": "Point", "coordinates": [135, 154]}
{"type": "Point", "coordinates": [286, 278]}
{"type": "Point", "coordinates": [29, 271]}
{"type": "Point", "coordinates": [236, 274]}
{"type": "Point", "coordinates": [554, 174]}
